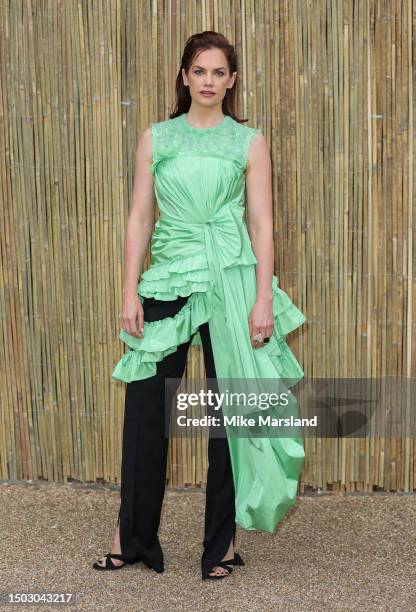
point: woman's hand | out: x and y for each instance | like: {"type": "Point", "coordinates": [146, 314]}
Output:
{"type": "Point", "coordinates": [132, 311]}
{"type": "Point", "coordinates": [261, 320]}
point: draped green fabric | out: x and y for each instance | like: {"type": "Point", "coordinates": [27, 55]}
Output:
{"type": "Point", "coordinates": [201, 248]}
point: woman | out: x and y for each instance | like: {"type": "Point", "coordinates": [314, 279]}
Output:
{"type": "Point", "coordinates": [210, 282]}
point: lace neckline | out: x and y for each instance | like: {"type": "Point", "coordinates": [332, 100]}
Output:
{"type": "Point", "coordinates": [206, 130]}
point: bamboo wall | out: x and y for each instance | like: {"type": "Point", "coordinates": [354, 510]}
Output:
{"type": "Point", "coordinates": [329, 82]}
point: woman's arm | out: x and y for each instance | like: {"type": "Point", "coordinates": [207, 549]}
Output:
{"type": "Point", "coordinates": [138, 233]}
{"type": "Point", "coordinates": [260, 228]}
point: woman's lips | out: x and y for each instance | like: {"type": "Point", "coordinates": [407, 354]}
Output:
{"type": "Point", "coordinates": [207, 93]}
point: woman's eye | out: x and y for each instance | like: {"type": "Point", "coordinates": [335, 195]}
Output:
{"type": "Point", "coordinates": [198, 71]}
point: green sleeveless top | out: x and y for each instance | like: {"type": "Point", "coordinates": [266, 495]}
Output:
{"type": "Point", "coordinates": [200, 186]}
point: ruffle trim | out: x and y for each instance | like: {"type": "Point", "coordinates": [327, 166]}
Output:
{"type": "Point", "coordinates": [161, 338]}
{"type": "Point", "coordinates": [182, 277]}
{"type": "Point", "coordinates": [287, 318]}
{"type": "Point", "coordinates": [179, 277]}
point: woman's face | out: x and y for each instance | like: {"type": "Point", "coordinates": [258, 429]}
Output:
{"type": "Point", "coordinates": [209, 72]}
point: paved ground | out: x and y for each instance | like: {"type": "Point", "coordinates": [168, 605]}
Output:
{"type": "Point", "coordinates": [351, 552]}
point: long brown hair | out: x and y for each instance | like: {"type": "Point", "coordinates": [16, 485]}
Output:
{"type": "Point", "coordinates": [194, 44]}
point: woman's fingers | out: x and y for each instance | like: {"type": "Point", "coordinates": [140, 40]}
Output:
{"type": "Point", "coordinates": [132, 328]}
{"type": "Point", "coordinates": [261, 323]}
{"type": "Point", "coordinates": [250, 327]}
{"type": "Point", "coordinates": [140, 321]}
{"type": "Point", "coordinates": [269, 331]}
{"type": "Point", "coordinates": [263, 331]}
{"type": "Point", "coordinates": [132, 318]}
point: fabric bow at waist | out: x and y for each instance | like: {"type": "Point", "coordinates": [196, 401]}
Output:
{"type": "Point", "coordinates": [223, 233]}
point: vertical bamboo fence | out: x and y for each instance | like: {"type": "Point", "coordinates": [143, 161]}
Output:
{"type": "Point", "coordinates": [329, 82]}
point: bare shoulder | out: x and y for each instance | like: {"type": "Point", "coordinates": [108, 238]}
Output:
{"type": "Point", "coordinates": [259, 142]}
{"type": "Point", "coordinates": [258, 153]}
{"type": "Point", "coordinates": [144, 144]}
{"type": "Point", "coordinates": [145, 136]}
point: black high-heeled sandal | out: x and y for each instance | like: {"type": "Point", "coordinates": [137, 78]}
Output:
{"type": "Point", "coordinates": [109, 565]}
{"type": "Point", "coordinates": [228, 565]}
{"type": "Point", "coordinates": [224, 564]}
{"type": "Point", "coordinates": [237, 560]}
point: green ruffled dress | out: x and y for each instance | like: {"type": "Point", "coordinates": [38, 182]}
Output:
{"type": "Point", "coordinates": [201, 248]}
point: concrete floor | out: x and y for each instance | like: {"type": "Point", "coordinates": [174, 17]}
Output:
{"type": "Point", "coordinates": [330, 552]}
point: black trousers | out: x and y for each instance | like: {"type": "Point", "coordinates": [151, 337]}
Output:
{"type": "Point", "coordinates": [144, 459]}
